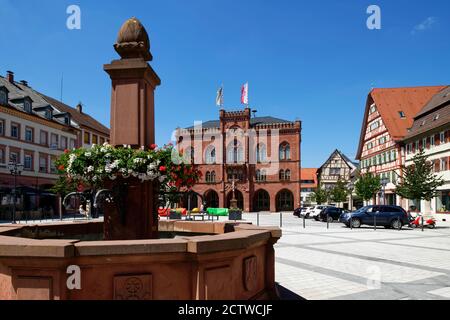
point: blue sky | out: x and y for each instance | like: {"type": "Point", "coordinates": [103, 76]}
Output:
{"type": "Point", "coordinates": [309, 60]}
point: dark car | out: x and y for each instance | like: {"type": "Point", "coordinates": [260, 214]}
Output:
{"type": "Point", "coordinates": [299, 212]}
{"type": "Point", "coordinates": [331, 214]}
{"type": "Point", "coordinates": [386, 216]}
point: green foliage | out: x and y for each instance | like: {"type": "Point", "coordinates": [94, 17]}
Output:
{"type": "Point", "coordinates": [63, 186]}
{"type": "Point", "coordinates": [320, 196]}
{"type": "Point", "coordinates": [367, 186]}
{"type": "Point", "coordinates": [419, 182]}
{"type": "Point", "coordinates": [340, 192]}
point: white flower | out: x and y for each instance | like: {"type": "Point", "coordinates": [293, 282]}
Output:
{"type": "Point", "coordinates": [162, 178]}
{"type": "Point", "coordinates": [88, 154]}
{"type": "Point", "coordinates": [90, 169]}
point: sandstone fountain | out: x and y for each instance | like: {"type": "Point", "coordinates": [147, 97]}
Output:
{"type": "Point", "coordinates": [200, 261]}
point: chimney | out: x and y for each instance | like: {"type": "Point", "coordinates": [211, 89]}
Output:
{"type": "Point", "coordinates": [79, 108]}
{"type": "Point", "coordinates": [24, 82]}
{"type": "Point", "coordinates": [10, 76]}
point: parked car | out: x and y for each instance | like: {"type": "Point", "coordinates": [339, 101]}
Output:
{"type": "Point", "coordinates": [386, 216]}
{"type": "Point", "coordinates": [300, 212]}
{"type": "Point", "coordinates": [315, 211]}
{"type": "Point", "coordinates": [331, 214]}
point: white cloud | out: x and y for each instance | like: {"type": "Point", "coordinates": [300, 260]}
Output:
{"type": "Point", "coordinates": [425, 25]}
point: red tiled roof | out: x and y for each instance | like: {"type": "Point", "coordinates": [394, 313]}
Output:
{"type": "Point", "coordinates": [309, 174]}
{"type": "Point", "coordinates": [390, 101]}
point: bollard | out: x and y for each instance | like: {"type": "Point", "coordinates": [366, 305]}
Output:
{"type": "Point", "coordinates": [304, 222]}
{"type": "Point", "coordinates": [281, 220]}
{"type": "Point", "coordinates": [351, 222]}
{"type": "Point", "coordinates": [375, 222]}
{"type": "Point", "coordinates": [423, 224]}
{"type": "Point", "coordinates": [257, 219]}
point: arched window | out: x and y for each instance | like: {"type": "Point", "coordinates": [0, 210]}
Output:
{"type": "Point", "coordinates": [285, 151]}
{"type": "Point", "coordinates": [213, 176]}
{"type": "Point", "coordinates": [261, 153]}
{"type": "Point", "coordinates": [208, 176]}
{"type": "Point", "coordinates": [235, 152]}
{"type": "Point", "coordinates": [258, 175]}
{"type": "Point", "coordinates": [285, 201]}
{"type": "Point", "coordinates": [210, 155]}
{"type": "Point", "coordinates": [282, 176]}
{"type": "Point", "coordinates": [287, 175]}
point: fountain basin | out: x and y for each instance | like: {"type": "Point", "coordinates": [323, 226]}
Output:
{"type": "Point", "coordinates": [203, 261]}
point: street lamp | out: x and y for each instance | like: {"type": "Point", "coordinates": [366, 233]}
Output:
{"type": "Point", "coordinates": [384, 183]}
{"type": "Point", "coordinates": [16, 170]}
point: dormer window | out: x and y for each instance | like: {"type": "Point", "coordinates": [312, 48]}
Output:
{"type": "Point", "coordinates": [402, 114]}
{"type": "Point", "coordinates": [27, 105]}
{"type": "Point", "coordinates": [48, 114]}
{"type": "Point", "coordinates": [3, 96]}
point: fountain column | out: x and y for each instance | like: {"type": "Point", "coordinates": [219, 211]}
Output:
{"type": "Point", "coordinates": [133, 123]}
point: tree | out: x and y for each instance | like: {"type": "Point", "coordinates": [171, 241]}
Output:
{"type": "Point", "coordinates": [367, 186]}
{"type": "Point", "coordinates": [340, 192]}
{"type": "Point", "coordinates": [320, 195]}
{"type": "Point", "coordinates": [419, 181]}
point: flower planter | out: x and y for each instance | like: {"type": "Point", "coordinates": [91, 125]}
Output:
{"type": "Point", "coordinates": [235, 215]}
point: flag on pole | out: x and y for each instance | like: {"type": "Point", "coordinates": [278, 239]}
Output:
{"type": "Point", "coordinates": [219, 97]}
{"type": "Point", "coordinates": [244, 94]}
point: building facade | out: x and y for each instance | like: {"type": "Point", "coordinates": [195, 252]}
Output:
{"type": "Point", "coordinates": [308, 186]}
{"type": "Point", "coordinates": [430, 132]}
{"type": "Point", "coordinates": [388, 115]}
{"type": "Point", "coordinates": [34, 131]}
{"type": "Point", "coordinates": [337, 167]}
{"type": "Point", "coordinates": [259, 156]}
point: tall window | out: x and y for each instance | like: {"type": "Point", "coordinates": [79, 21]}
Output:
{"type": "Point", "coordinates": [442, 137]}
{"type": "Point", "coordinates": [63, 143]}
{"type": "Point", "coordinates": [87, 138]}
{"type": "Point", "coordinates": [432, 141]}
{"type": "Point", "coordinates": [287, 175]}
{"type": "Point", "coordinates": [53, 165]}
{"type": "Point", "coordinates": [2, 155]}
{"type": "Point", "coordinates": [44, 138]}
{"type": "Point", "coordinates": [54, 141]}
{"type": "Point", "coordinates": [211, 155]}
{"type": "Point", "coordinates": [281, 175]}
{"type": "Point", "coordinates": [72, 143]}
{"type": "Point", "coordinates": [210, 177]}
{"type": "Point", "coordinates": [29, 134]}
{"type": "Point", "coordinates": [28, 163]}
{"type": "Point", "coordinates": [2, 127]}
{"type": "Point", "coordinates": [15, 130]}
{"type": "Point", "coordinates": [235, 152]}
{"type": "Point", "coordinates": [94, 139]}
{"type": "Point", "coordinates": [43, 163]}
{"type": "Point", "coordinates": [285, 151]}
{"type": "Point", "coordinates": [261, 153]}
{"type": "Point", "coordinates": [14, 157]}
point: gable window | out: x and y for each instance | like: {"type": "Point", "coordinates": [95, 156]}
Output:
{"type": "Point", "coordinates": [382, 140]}
{"type": "Point", "coordinates": [373, 108]}
{"type": "Point", "coordinates": [369, 145]}
{"type": "Point", "coordinates": [29, 134]}
{"type": "Point", "coordinates": [375, 125]}
{"type": "Point", "coordinates": [15, 130]}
